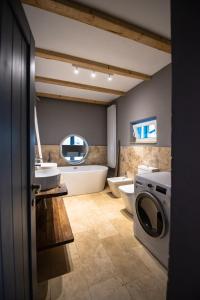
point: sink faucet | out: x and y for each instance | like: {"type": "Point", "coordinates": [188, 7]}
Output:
{"type": "Point", "coordinates": [49, 158]}
{"type": "Point", "coordinates": [38, 161]}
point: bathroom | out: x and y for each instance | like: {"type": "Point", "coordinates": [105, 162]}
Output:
{"type": "Point", "coordinates": [103, 133]}
{"type": "Point", "coordinates": [98, 212]}
{"type": "Point", "coordinates": [93, 137]}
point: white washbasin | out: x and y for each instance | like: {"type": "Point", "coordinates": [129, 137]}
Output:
{"type": "Point", "coordinates": [48, 178]}
{"type": "Point", "coordinates": [46, 165]}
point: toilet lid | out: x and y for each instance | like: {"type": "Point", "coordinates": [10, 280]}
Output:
{"type": "Point", "coordinates": [117, 179]}
{"type": "Point", "coordinates": [128, 188]}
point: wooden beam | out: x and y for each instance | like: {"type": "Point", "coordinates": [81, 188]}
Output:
{"type": "Point", "coordinates": [79, 85]}
{"type": "Point", "coordinates": [69, 98]}
{"type": "Point", "coordinates": [89, 64]}
{"type": "Point", "coordinates": [96, 18]}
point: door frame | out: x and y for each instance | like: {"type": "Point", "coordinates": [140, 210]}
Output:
{"type": "Point", "coordinates": [18, 12]}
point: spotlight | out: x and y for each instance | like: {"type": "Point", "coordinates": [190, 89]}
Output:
{"type": "Point", "coordinates": [93, 74]}
{"type": "Point", "coordinates": [110, 78]}
{"type": "Point", "coordinates": [76, 70]}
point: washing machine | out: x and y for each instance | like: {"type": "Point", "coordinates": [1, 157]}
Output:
{"type": "Point", "coordinates": [152, 213]}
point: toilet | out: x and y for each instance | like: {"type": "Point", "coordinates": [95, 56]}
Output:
{"type": "Point", "coordinates": [128, 191]}
{"type": "Point", "coordinates": [115, 182]}
{"type": "Point", "coordinates": [128, 195]}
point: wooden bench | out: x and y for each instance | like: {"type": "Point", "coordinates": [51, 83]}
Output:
{"type": "Point", "coordinates": [52, 223]}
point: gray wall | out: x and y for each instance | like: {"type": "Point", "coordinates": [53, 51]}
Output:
{"type": "Point", "coordinates": [57, 119]}
{"type": "Point", "coordinates": [150, 98]}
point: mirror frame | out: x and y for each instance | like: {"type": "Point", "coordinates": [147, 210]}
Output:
{"type": "Point", "coordinates": [85, 156]}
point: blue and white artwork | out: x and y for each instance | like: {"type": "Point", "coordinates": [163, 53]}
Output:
{"type": "Point", "coordinates": [144, 131]}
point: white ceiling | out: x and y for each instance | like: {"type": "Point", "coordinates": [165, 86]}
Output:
{"type": "Point", "coordinates": [64, 35]}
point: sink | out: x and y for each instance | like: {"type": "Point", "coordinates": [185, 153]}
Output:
{"type": "Point", "coordinates": [46, 165]}
{"type": "Point", "coordinates": [48, 178]}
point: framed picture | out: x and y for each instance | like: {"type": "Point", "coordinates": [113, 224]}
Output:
{"type": "Point", "coordinates": [144, 131]}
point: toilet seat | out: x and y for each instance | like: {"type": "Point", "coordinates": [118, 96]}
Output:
{"type": "Point", "coordinates": [128, 189]}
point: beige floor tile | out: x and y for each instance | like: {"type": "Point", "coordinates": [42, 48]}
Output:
{"type": "Point", "coordinates": [73, 256]}
{"type": "Point", "coordinates": [56, 287]}
{"type": "Point", "coordinates": [83, 295]}
{"type": "Point", "coordinates": [71, 286]}
{"type": "Point", "coordinates": [111, 289]}
{"type": "Point", "coordinates": [75, 287]}
{"type": "Point", "coordinates": [151, 263]}
{"type": "Point", "coordinates": [98, 266]}
{"type": "Point", "coordinates": [79, 225]}
{"type": "Point", "coordinates": [43, 291]}
{"type": "Point", "coordinates": [127, 265]}
{"type": "Point", "coordinates": [86, 244]}
{"type": "Point", "coordinates": [114, 247]}
{"type": "Point", "coordinates": [124, 228]}
{"type": "Point", "coordinates": [148, 289]}
{"type": "Point", "coordinates": [123, 225]}
{"type": "Point", "coordinates": [108, 203]}
{"type": "Point", "coordinates": [106, 261]}
{"type": "Point", "coordinates": [104, 231]}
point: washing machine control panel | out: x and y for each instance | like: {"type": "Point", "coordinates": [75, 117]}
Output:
{"type": "Point", "coordinates": [151, 187]}
{"type": "Point", "coordinates": [161, 189]}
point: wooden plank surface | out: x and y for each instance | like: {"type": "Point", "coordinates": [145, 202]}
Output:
{"type": "Point", "coordinates": [89, 64]}
{"type": "Point", "coordinates": [79, 85]}
{"type": "Point", "coordinates": [69, 98]}
{"type": "Point", "coordinates": [53, 227]}
{"type": "Point", "coordinates": [61, 190]}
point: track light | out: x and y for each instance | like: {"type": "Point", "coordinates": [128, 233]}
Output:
{"type": "Point", "coordinates": [76, 70]}
{"type": "Point", "coordinates": [110, 78]}
{"type": "Point", "coordinates": [93, 74]}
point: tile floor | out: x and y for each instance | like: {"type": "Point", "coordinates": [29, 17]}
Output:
{"type": "Point", "coordinates": [106, 261]}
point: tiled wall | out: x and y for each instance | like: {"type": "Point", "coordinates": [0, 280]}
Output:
{"type": "Point", "coordinates": [132, 156]}
{"type": "Point", "coordinates": [96, 155]}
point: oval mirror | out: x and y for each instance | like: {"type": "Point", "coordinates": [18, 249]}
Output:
{"type": "Point", "coordinates": [74, 149]}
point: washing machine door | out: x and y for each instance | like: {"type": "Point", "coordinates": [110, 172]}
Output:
{"type": "Point", "coordinates": [150, 214]}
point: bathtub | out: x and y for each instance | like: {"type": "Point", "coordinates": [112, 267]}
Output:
{"type": "Point", "coordinates": [84, 179]}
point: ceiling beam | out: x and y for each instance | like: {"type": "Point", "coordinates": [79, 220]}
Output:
{"type": "Point", "coordinates": [78, 85]}
{"type": "Point", "coordinates": [89, 64]}
{"type": "Point", "coordinates": [96, 18]}
{"type": "Point", "coordinates": [69, 98]}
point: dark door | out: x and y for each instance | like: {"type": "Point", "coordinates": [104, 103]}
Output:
{"type": "Point", "coordinates": [17, 211]}
{"type": "Point", "coordinates": [150, 214]}
{"type": "Point", "coordinates": [184, 258]}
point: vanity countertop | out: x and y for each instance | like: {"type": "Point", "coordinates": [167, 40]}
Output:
{"type": "Point", "coordinates": [61, 190]}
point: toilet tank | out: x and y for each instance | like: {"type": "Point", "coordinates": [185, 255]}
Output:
{"type": "Point", "coordinates": [142, 169]}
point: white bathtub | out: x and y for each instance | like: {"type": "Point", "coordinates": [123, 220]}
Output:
{"type": "Point", "coordinates": [84, 179]}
